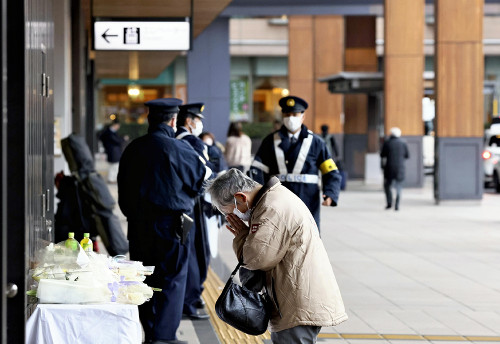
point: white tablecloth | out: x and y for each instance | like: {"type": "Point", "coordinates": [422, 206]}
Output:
{"type": "Point", "coordinates": [93, 324]}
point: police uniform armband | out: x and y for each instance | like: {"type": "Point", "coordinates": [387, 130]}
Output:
{"type": "Point", "coordinates": [328, 166]}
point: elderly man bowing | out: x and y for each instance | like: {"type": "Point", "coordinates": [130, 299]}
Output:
{"type": "Point", "coordinates": [275, 232]}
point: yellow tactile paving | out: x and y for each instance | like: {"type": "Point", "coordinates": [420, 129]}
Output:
{"type": "Point", "coordinates": [226, 333]}
{"type": "Point", "coordinates": [229, 335]}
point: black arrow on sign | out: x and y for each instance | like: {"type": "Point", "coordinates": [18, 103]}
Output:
{"type": "Point", "coordinates": [104, 35]}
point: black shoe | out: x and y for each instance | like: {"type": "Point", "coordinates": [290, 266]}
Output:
{"type": "Point", "coordinates": [388, 206]}
{"type": "Point", "coordinates": [200, 314]}
{"type": "Point", "coordinates": [200, 304]}
{"type": "Point", "coordinates": [396, 208]}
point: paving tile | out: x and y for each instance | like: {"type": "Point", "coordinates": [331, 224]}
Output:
{"type": "Point", "coordinates": [422, 323]}
{"type": "Point", "coordinates": [384, 322]}
{"type": "Point", "coordinates": [461, 323]}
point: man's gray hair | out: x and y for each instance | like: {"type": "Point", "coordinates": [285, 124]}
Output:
{"type": "Point", "coordinates": [223, 188]}
{"type": "Point", "coordinates": [396, 132]}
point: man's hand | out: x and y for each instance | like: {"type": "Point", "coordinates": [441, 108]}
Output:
{"type": "Point", "coordinates": [236, 226]}
{"type": "Point", "coordinates": [327, 201]}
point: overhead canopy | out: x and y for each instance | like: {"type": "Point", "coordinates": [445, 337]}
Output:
{"type": "Point", "coordinates": [370, 82]}
{"type": "Point", "coordinates": [149, 64]}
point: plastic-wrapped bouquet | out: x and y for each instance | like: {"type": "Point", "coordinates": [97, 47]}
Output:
{"type": "Point", "coordinates": [66, 275]}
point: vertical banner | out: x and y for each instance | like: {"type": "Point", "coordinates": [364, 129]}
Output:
{"type": "Point", "coordinates": [239, 100]}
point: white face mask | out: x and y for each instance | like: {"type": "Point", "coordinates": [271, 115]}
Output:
{"type": "Point", "coordinates": [293, 123]}
{"type": "Point", "coordinates": [243, 216]}
{"type": "Point", "coordinates": [208, 141]}
{"type": "Point", "coordinates": [196, 131]}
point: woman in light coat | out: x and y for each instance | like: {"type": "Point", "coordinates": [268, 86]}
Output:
{"type": "Point", "coordinates": [238, 151]}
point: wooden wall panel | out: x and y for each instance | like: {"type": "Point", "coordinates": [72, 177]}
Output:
{"type": "Point", "coordinates": [459, 83]}
{"type": "Point", "coordinates": [403, 94]}
{"type": "Point", "coordinates": [404, 65]}
{"type": "Point", "coordinates": [360, 55]}
{"type": "Point", "coordinates": [328, 60]}
{"type": "Point", "coordinates": [459, 68]}
{"type": "Point", "coordinates": [356, 119]}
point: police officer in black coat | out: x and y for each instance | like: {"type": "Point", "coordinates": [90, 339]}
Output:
{"type": "Point", "coordinates": [393, 155]}
{"type": "Point", "coordinates": [189, 127]}
{"type": "Point", "coordinates": [296, 155]}
{"type": "Point", "coordinates": [158, 178]}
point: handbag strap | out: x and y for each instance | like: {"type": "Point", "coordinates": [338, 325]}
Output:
{"type": "Point", "coordinates": [236, 270]}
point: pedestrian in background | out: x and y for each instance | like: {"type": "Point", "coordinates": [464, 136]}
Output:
{"type": "Point", "coordinates": [215, 155]}
{"type": "Point", "coordinates": [296, 156]}
{"type": "Point", "coordinates": [281, 239]}
{"type": "Point", "coordinates": [158, 178]}
{"type": "Point", "coordinates": [113, 146]}
{"type": "Point", "coordinates": [393, 156]}
{"type": "Point", "coordinates": [238, 148]}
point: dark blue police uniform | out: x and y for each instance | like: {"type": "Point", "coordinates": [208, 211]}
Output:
{"type": "Point", "coordinates": [298, 165]}
{"type": "Point", "coordinates": [158, 178]}
{"type": "Point", "coordinates": [199, 259]}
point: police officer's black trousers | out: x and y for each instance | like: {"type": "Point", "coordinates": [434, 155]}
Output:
{"type": "Point", "coordinates": [154, 242]}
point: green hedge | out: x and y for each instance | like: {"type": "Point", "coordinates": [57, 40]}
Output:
{"type": "Point", "coordinates": [257, 130]}
{"type": "Point", "coordinates": [133, 130]}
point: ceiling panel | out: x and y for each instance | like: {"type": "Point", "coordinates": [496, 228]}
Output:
{"type": "Point", "coordinates": [115, 64]}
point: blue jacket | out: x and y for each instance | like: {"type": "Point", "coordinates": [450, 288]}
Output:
{"type": "Point", "coordinates": [197, 144]}
{"type": "Point", "coordinates": [158, 173]}
{"type": "Point", "coordinates": [304, 183]}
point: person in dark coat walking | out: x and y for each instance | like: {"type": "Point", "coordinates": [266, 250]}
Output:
{"type": "Point", "coordinates": [113, 146]}
{"type": "Point", "coordinates": [158, 179]}
{"type": "Point", "coordinates": [296, 156]}
{"type": "Point", "coordinates": [394, 153]}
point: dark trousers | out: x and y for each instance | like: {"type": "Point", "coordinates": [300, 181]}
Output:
{"type": "Point", "coordinates": [193, 282]}
{"type": "Point", "coordinates": [388, 193]}
{"type": "Point", "coordinates": [154, 242]}
{"type": "Point", "coordinates": [296, 335]}
{"type": "Point", "coordinates": [199, 260]}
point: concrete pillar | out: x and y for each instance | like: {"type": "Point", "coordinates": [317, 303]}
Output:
{"type": "Point", "coordinates": [360, 56]}
{"type": "Point", "coordinates": [208, 75]}
{"type": "Point", "coordinates": [459, 99]}
{"type": "Point", "coordinates": [403, 78]}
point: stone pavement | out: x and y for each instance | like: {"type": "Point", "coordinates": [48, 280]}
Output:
{"type": "Point", "coordinates": [425, 273]}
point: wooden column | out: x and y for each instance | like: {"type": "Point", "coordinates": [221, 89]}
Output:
{"type": "Point", "coordinates": [459, 99]}
{"type": "Point", "coordinates": [301, 61]}
{"type": "Point", "coordinates": [459, 68]}
{"type": "Point", "coordinates": [328, 60]}
{"type": "Point", "coordinates": [316, 50]}
{"type": "Point", "coordinates": [404, 65]}
{"type": "Point", "coordinates": [403, 78]}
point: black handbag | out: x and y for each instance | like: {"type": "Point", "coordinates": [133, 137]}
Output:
{"type": "Point", "coordinates": [244, 309]}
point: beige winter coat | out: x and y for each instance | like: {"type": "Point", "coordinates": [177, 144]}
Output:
{"type": "Point", "coordinates": [283, 240]}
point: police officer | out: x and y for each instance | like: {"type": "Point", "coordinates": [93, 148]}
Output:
{"type": "Point", "coordinates": [158, 178]}
{"type": "Point", "coordinates": [295, 155]}
{"type": "Point", "coordinates": [189, 127]}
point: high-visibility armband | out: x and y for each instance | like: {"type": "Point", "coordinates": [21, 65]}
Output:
{"type": "Point", "coordinates": [327, 166]}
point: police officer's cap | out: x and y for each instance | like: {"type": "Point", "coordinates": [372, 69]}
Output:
{"type": "Point", "coordinates": [292, 104]}
{"type": "Point", "coordinates": [164, 105]}
{"type": "Point", "coordinates": [195, 109]}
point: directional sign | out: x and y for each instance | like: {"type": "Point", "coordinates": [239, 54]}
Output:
{"type": "Point", "coordinates": [141, 35]}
